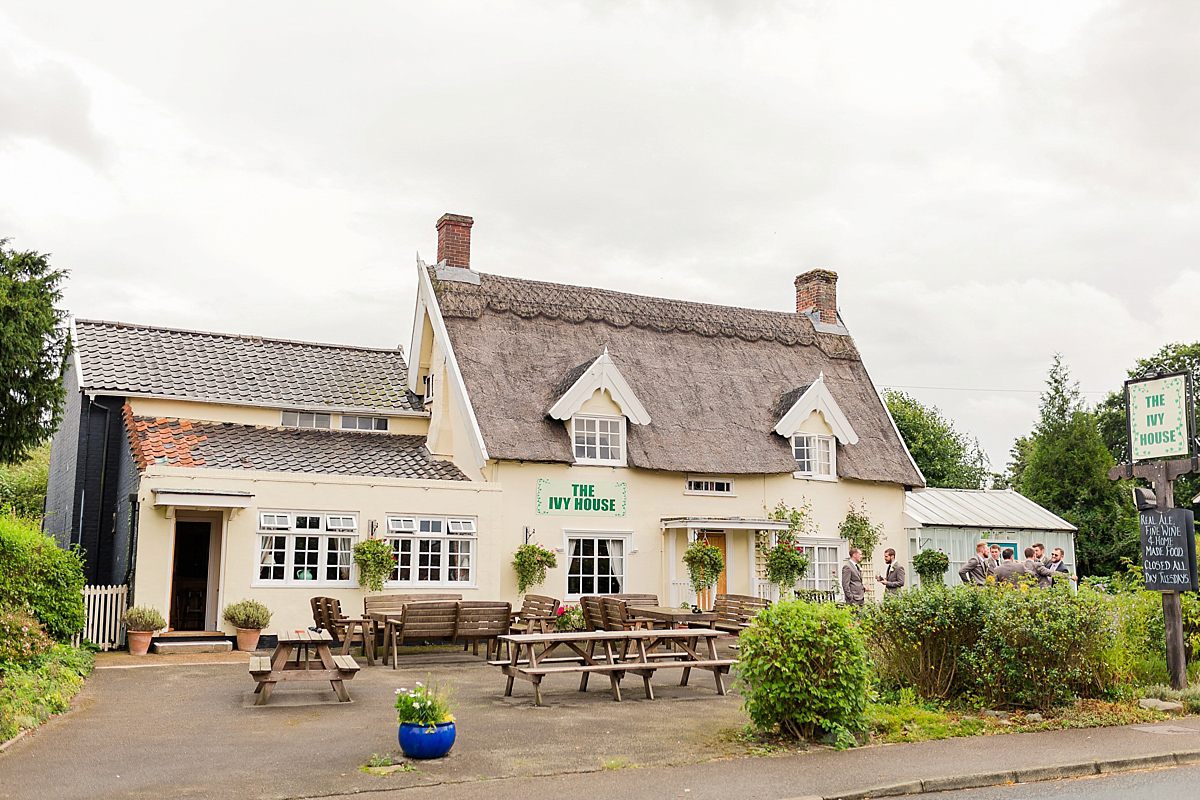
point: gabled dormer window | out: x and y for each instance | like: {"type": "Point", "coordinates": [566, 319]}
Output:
{"type": "Point", "coordinates": [815, 456]}
{"type": "Point", "coordinates": [599, 440]}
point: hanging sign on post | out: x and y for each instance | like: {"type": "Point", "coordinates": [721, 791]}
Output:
{"type": "Point", "coordinates": [1169, 550]}
{"type": "Point", "coordinates": [1158, 417]}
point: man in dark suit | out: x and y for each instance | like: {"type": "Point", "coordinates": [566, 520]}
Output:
{"type": "Point", "coordinates": [1010, 570]}
{"type": "Point", "coordinates": [993, 558]}
{"type": "Point", "coordinates": [1037, 569]}
{"type": "Point", "coordinates": [894, 581]}
{"type": "Point", "coordinates": [1059, 567]}
{"type": "Point", "coordinates": [975, 571]}
{"type": "Point", "coordinates": [852, 582]}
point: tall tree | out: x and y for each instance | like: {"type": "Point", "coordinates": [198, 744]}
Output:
{"type": "Point", "coordinates": [34, 344]}
{"type": "Point", "coordinates": [1066, 470]}
{"type": "Point", "coordinates": [947, 458]}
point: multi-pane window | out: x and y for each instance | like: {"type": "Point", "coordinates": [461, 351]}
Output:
{"type": "Point", "coordinates": [304, 419]}
{"type": "Point", "coordinates": [825, 562]}
{"type": "Point", "coordinates": [596, 565]}
{"type": "Point", "coordinates": [709, 486]}
{"type": "Point", "coordinates": [350, 423]}
{"type": "Point", "coordinates": [303, 547]}
{"type": "Point", "coordinates": [432, 551]}
{"type": "Point", "coordinates": [814, 454]}
{"type": "Point", "coordinates": [599, 439]}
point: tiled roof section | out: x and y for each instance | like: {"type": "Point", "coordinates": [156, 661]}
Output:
{"type": "Point", "coordinates": [224, 445]}
{"type": "Point", "coordinates": [556, 301]}
{"type": "Point", "coordinates": [135, 359]}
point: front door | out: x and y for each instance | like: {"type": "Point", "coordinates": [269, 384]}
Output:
{"type": "Point", "coordinates": [718, 540]}
{"type": "Point", "coordinates": [189, 576]}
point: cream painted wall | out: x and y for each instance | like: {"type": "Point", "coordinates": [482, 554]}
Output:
{"type": "Point", "coordinates": [601, 403]}
{"type": "Point", "coordinates": [448, 432]}
{"type": "Point", "coordinates": [249, 415]}
{"type": "Point", "coordinates": [816, 424]}
{"type": "Point", "coordinates": [370, 498]}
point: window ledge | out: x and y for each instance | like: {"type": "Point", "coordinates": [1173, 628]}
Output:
{"type": "Point", "coordinates": [709, 494]}
{"type": "Point", "coordinates": [811, 476]}
{"type": "Point", "coordinates": [595, 462]}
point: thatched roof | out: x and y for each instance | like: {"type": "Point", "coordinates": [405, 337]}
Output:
{"type": "Point", "coordinates": [712, 378]}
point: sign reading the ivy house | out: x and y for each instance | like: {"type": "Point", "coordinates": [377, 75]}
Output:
{"type": "Point", "coordinates": [1158, 416]}
{"type": "Point", "coordinates": [580, 498]}
{"type": "Point", "coordinates": [1169, 550]}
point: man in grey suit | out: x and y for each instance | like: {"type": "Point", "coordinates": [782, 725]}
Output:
{"type": "Point", "coordinates": [852, 583]}
{"type": "Point", "coordinates": [1037, 569]}
{"type": "Point", "coordinates": [894, 582]}
{"type": "Point", "coordinates": [1039, 554]}
{"type": "Point", "coordinates": [1010, 570]}
{"type": "Point", "coordinates": [994, 559]}
{"type": "Point", "coordinates": [976, 570]}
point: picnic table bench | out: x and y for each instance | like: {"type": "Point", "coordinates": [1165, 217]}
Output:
{"type": "Point", "coordinates": [641, 657]}
{"type": "Point", "coordinates": [325, 667]}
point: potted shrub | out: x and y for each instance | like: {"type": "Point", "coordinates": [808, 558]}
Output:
{"type": "Point", "coordinates": [786, 562]}
{"type": "Point", "coordinates": [531, 562]}
{"type": "Point", "coordinates": [141, 622]}
{"type": "Point", "coordinates": [704, 563]}
{"type": "Point", "coordinates": [375, 561]}
{"type": "Point", "coordinates": [426, 724]}
{"type": "Point", "coordinates": [249, 617]}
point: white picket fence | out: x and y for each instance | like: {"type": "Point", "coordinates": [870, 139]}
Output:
{"type": "Point", "coordinates": [105, 605]}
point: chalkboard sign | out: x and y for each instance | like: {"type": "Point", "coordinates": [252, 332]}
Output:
{"type": "Point", "coordinates": [1169, 550]}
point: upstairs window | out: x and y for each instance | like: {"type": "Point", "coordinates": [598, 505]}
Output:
{"type": "Point", "coordinates": [303, 419]}
{"type": "Point", "coordinates": [815, 456]}
{"type": "Point", "coordinates": [599, 440]}
{"type": "Point", "coordinates": [717, 486]}
{"type": "Point", "coordinates": [350, 423]}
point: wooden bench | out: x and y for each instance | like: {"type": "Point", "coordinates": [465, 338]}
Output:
{"type": "Point", "coordinates": [537, 615]}
{"type": "Point", "coordinates": [267, 672]}
{"type": "Point", "coordinates": [394, 603]}
{"type": "Point", "coordinates": [259, 665]}
{"type": "Point", "coordinates": [470, 621]}
{"type": "Point", "coordinates": [734, 611]}
{"type": "Point", "coordinates": [483, 621]}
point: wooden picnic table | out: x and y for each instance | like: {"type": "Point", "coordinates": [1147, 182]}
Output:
{"type": "Point", "coordinates": [279, 667]}
{"type": "Point", "coordinates": [675, 617]}
{"type": "Point", "coordinates": [615, 659]}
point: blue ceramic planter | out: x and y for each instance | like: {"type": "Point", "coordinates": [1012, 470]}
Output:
{"type": "Point", "coordinates": [421, 741]}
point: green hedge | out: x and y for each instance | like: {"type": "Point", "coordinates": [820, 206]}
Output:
{"type": "Point", "coordinates": [23, 486]}
{"type": "Point", "coordinates": [36, 574]}
{"type": "Point", "coordinates": [31, 694]}
{"type": "Point", "coordinates": [1018, 646]}
{"type": "Point", "coordinates": [803, 669]}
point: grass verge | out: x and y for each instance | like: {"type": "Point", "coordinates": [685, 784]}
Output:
{"type": "Point", "coordinates": [32, 693]}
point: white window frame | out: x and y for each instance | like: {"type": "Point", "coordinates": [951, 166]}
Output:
{"type": "Point", "coordinates": [375, 423]}
{"type": "Point", "coordinates": [603, 462]}
{"type": "Point", "coordinates": [454, 530]}
{"type": "Point", "coordinates": [626, 539]}
{"type": "Point", "coordinates": [816, 438]}
{"type": "Point", "coordinates": [810, 580]}
{"type": "Point", "coordinates": [299, 420]}
{"type": "Point", "coordinates": [271, 524]}
{"type": "Point", "coordinates": [711, 479]}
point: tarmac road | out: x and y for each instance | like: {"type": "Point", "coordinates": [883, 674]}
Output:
{"type": "Point", "coordinates": [1176, 783]}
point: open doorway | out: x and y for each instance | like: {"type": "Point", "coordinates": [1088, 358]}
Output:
{"type": "Point", "coordinates": [190, 576]}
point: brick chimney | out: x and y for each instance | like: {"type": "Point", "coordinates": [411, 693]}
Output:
{"type": "Point", "coordinates": [454, 240]}
{"type": "Point", "coordinates": [816, 290]}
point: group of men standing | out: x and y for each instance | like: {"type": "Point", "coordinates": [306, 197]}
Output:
{"type": "Point", "coordinates": [990, 561]}
{"type": "Point", "coordinates": [852, 583]}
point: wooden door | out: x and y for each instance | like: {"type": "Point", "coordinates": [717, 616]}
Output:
{"type": "Point", "coordinates": [718, 540]}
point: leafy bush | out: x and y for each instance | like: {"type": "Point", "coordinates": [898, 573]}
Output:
{"type": "Point", "coordinates": [423, 705]}
{"type": "Point", "coordinates": [786, 562]}
{"type": "Point", "coordinates": [144, 618]}
{"type": "Point", "coordinates": [704, 563]}
{"type": "Point", "coordinates": [23, 485]}
{"type": "Point", "coordinates": [249, 614]}
{"type": "Point", "coordinates": [31, 694]}
{"type": "Point", "coordinates": [531, 562]}
{"type": "Point", "coordinates": [922, 638]}
{"type": "Point", "coordinates": [23, 640]}
{"type": "Point", "coordinates": [804, 669]}
{"type": "Point", "coordinates": [375, 561]}
{"type": "Point", "coordinates": [858, 529]}
{"type": "Point", "coordinates": [36, 574]}
{"type": "Point", "coordinates": [931, 565]}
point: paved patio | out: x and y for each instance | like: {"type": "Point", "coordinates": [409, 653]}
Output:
{"type": "Point", "coordinates": [185, 726]}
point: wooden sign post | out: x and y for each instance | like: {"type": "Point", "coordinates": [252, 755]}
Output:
{"type": "Point", "coordinates": [1158, 412]}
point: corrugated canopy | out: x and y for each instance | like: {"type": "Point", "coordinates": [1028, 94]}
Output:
{"type": "Point", "coordinates": [978, 508]}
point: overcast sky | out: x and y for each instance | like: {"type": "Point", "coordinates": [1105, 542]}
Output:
{"type": "Point", "coordinates": [993, 182]}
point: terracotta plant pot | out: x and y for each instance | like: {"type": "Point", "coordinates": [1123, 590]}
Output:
{"type": "Point", "coordinates": [139, 642]}
{"type": "Point", "coordinates": [247, 638]}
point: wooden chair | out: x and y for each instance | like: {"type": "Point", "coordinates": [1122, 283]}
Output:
{"type": "Point", "coordinates": [734, 611]}
{"type": "Point", "coordinates": [327, 613]}
{"type": "Point", "coordinates": [593, 612]}
{"type": "Point", "coordinates": [483, 620]}
{"type": "Point", "coordinates": [537, 615]}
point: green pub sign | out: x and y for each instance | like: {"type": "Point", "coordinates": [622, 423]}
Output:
{"type": "Point", "coordinates": [580, 498]}
{"type": "Point", "coordinates": [1158, 417]}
